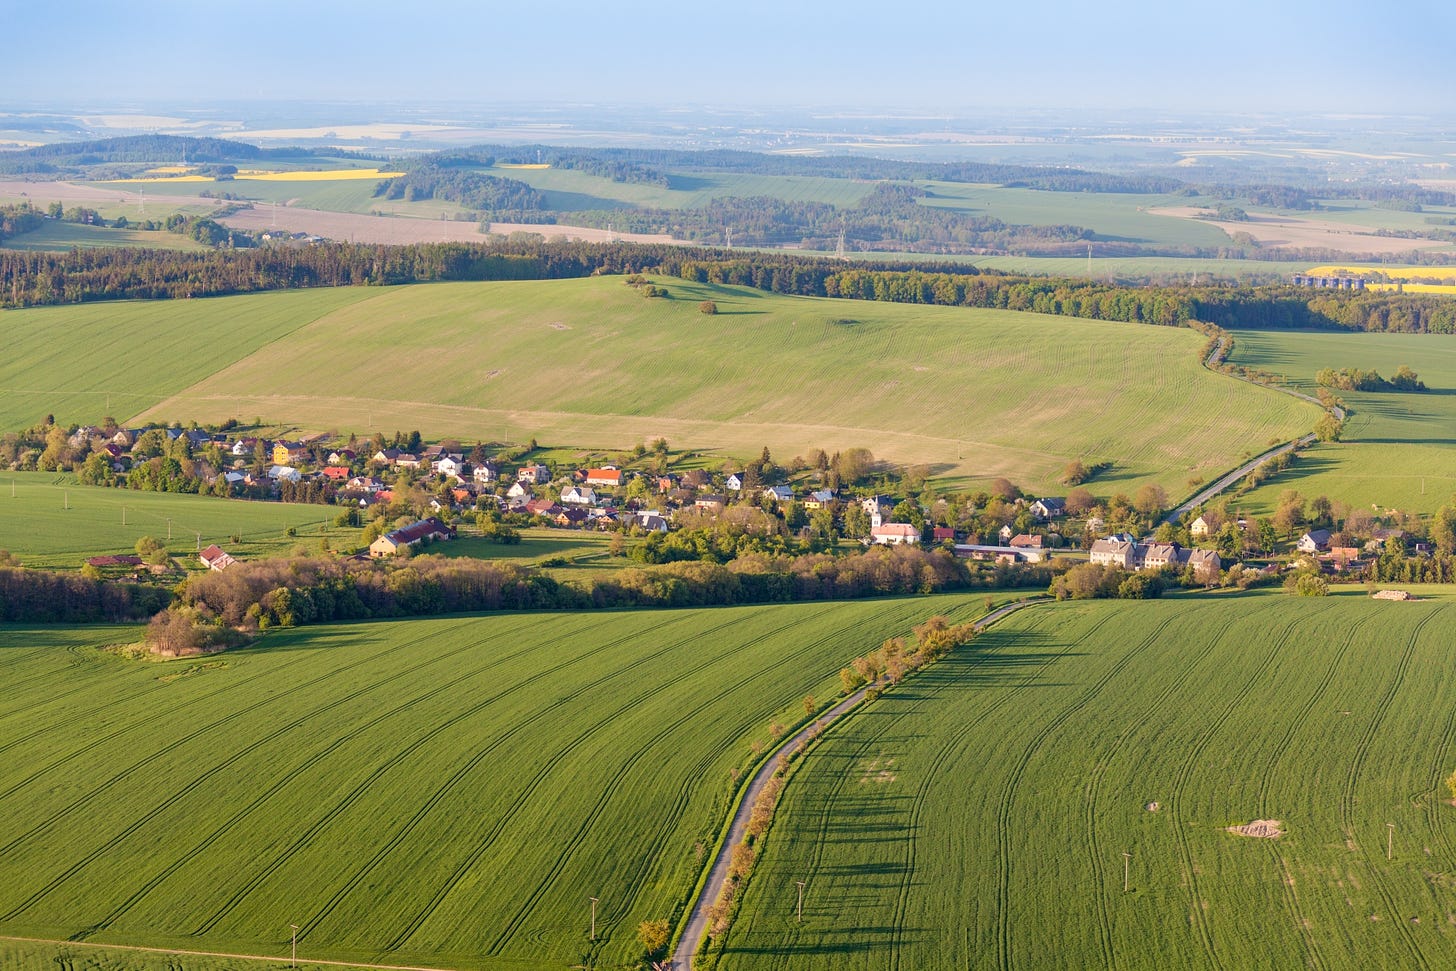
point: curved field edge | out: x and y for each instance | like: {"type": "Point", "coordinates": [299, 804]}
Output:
{"type": "Point", "coordinates": [980, 817]}
{"type": "Point", "coordinates": [440, 792]}
{"type": "Point", "coordinates": [975, 394]}
{"type": "Point", "coordinates": [1398, 451]}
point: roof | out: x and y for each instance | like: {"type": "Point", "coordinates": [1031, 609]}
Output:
{"type": "Point", "coordinates": [1024, 540]}
{"type": "Point", "coordinates": [895, 529]}
{"type": "Point", "coordinates": [414, 532]}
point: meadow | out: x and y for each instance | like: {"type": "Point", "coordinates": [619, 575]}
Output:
{"type": "Point", "coordinates": [974, 393]}
{"type": "Point", "coordinates": [978, 816]}
{"type": "Point", "coordinates": [61, 236]}
{"type": "Point", "coordinates": [446, 792]}
{"type": "Point", "coordinates": [49, 521]}
{"type": "Point", "coordinates": [82, 363]}
{"type": "Point", "coordinates": [1398, 451]}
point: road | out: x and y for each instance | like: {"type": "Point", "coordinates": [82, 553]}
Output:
{"type": "Point", "coordinates": [697, 927]}
{"type": "Point", "coordinates": [1249, 466]}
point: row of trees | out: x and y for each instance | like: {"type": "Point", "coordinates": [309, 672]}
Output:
{"type": "Point", "coordinates": [1358, 379]}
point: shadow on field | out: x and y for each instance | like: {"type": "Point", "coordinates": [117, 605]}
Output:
{"type": "Point", "coordinates": [854, 940]}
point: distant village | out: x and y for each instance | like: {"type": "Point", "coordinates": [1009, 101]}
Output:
{"type": "Point", "coordinates": [423, 491]}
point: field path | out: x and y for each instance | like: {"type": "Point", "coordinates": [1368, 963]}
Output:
{"type": "Point", "coordinates": [697, 926]}
{"type": "Point", "coordinates": [271, 958]}
{"type": "Point", "coordinates": [1223, 483]}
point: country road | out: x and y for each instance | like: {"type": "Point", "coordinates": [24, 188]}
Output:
{"type": "Point", "coordinates": [697, 926]}
{"type": "Point", "coordinates": [1230, 478]}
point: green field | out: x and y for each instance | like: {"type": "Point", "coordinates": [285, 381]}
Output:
{"type": "Point", "coordinates": [61, 236]}
{"type": "Point", "coordinates": [81, 363]}
{"type": "Point", "coordinates": [978, 817]}
{"type": "Point", "coordinates": [445, 792]}
{"type": "Point", "coordinates": [1398, 450]}
{"type": "Point", "coordinates": [49, 521]}
{"type": "Point", "coordinates": [591, 363]}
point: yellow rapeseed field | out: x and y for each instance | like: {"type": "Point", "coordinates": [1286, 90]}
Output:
{"type": "Point", "coordinates": [1390, 272]}
{"type": "Point", "coordinates": [171, 169]}
{"type": "Point", "coordinates": [1449, 289]}
{"type": "Point", "coordinates": [523, 165]}
{"type": "Point", "coordinates": [326, 175]}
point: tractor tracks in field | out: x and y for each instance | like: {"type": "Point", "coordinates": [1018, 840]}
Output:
{"type": "Point", "coordinates": [1357, 766]}
{"type": "Point", "coordinates": [1004, 826]}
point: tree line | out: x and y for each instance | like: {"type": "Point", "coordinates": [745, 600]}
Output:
{"type": "Point", "coordinates": [32, 279]}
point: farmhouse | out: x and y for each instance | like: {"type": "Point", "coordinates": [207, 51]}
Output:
{"type": "Point", "coordinates": [1129, 555]}
{"type": "Point", "coordinates": [895, 534]}
{"type": "Point", "coordinates": [1049, 508]}
{"type": "Point", "coordinates": [1314, 541]}
{"type": "Point", "coordinates": [396, 542]}
{"type": "Point", "coordinates": [215, 559]}
{"type": "Point", "coordinates": [606, 476]}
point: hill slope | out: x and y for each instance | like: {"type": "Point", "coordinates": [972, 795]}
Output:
{"type": "Point", "coordinates": [978, 393]}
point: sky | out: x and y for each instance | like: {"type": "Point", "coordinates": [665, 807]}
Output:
{"type": "Point", "coordinates": [1330, 56]}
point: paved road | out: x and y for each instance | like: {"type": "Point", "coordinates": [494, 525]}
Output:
{"type": "Point", "coordinates": [1249, 466]}
{"type": "Point", "coordinates": [697, 927]}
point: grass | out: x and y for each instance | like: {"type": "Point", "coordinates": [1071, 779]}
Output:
{"type": "Point", "coordinates": [1398, 450]}
{"type": "Point", "coordinates": [975, 393]}
{"type": "Point", "coordinates": [978, 816]}
{"type": "Point", "coordinates": [37, 526]}
{"type": "Point", "coordinates": [82, 363]}
{"type": "Point", "coordinates": [54, 236]}
{"type": "Point", "coordinates": [445, 792]}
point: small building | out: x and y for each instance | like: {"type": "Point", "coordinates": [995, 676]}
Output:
{"type": "Point", "coordinates": [395, 542]}
{"type": "Point", "coordinates": [895, 534]}
{"type": "Point", "coordinates": [734, 483]}
{"type": "Point", "coordinates": [1314, 541]}
{"type": "Point", "coordinates": [713, 503]}
{"type": "Point", "coordinates": [535, 474]}
{"type": "Point", "coordinates": [578, 496]}
{"type": "Point", "coordinates": [1025, 541]}
{"type": "Point", "coordinates": [605, 476]}
{"type": "Point", "coordinates": [650, 522]}
{"type": "Point", "coordinates": [779, 493]}
{"type": "Point", "coordinates": [818, 499]}
{"type": "Point", "coordinates": [336, 473]}
{"type": "Point", "coordinates": [1198, 529]}
{"type": "Point", "coordinates": [288, 453]}
{"type": "Point", "coordinates": [942, 534]}
{"type": "Point", "coordinates": [485, 473]}
{"type": "Point", "coordinates": [1051, 507]}
{"type": "Point", "coordinates": [214, 558]}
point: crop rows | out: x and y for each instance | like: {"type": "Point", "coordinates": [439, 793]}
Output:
{"type": "Point", "coordinates": [1022, 771]}
{"type": "Point", "coordinates": [441, 791]}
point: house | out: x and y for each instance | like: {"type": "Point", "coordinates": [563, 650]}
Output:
{"type": "Point", "coordinates": [485, 473]}
{"type": "Point", "coordinates": [341, 457]}
{"type": "Point", "coordinates": [396, 542]}
{"type": "Point", "coordinates": [1204, 563]}
{"type": "Point", "coordinates": [571, 518]}
{"type": "Point", "coordinates": [879, 508]}
{"type": "Point", "coordinates": [1049, 508]}
{"type": "Point", "coordinates": [578, 496]}
{"type": "Point", "coordinates": [605, 476]}
{"type": "Point", "coordinates": [215, 559]}
{"type": "Point", "coordinates": [942, 534]}
{"type": "Point", "coordinates": [895, 534]}
{"type": "Point", "coordinates": [779, 493]}
{"type": "Point", "coordinates": [1344, 554]}
{"type": "Point", "coordinates": [734, 483]}
{"type": "Point", "coordinates": [541, 507]}
{"type": "Point", "coordinates": [667, 483]}
{"type": "Point", "coordinates": [1025, 541]}
{"type": "Point", "coordinates": [336, 473]}
{"type": "Point", "coordinates": [1198, 529]}
{"type": "Point", "coordinates": [1001, 554]}
{"type": "Point", "coordinates": [386, 456]}
{"type": "Point", "coordinates": [535, 474]}
{"type": "Point", "coordinates": [1113, 552]}
{"type": "Point", "coordinates": [280, 473]}
{"type": "Point", "coordinates": [1005, 533]}
{"type": "Point", "coordinates": [243, 447]}
{"type": "Point", "coordinates": [1156, 556]}
{"type": "Point", "coordinates": [235, 478]}
{"type": "Point", "coordinates": [519, 490]}
{"type": "Point", "coordinates": [818, 499]}
{"type": "Point", "coordinates": [711, 502]}
{"type": "Point", "coordinates": [449, 465]}
{"type": "Point", "coordinates": [1314, 541]}
{"type": "Point", "coordinates": [364, 483]}
{"type": "Point", "coordinates": [650, 522]}
{"type": "Point", "coordinates": [287, 453]}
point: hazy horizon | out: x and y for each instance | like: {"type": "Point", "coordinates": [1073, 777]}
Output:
{"type": "Point", "coordinates": [1326, 59]}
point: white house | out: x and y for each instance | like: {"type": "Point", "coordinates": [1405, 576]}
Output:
{"type": "Point", "coordinates": [734, 483]}
{"type": "Point", "coordinates": [579, 496]}
{"type": "Point", "coordinates": [895, 534]}
{"type": "Point", "coordinates": [1198, 529]}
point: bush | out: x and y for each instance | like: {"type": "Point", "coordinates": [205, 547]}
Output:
{"type": "Point", "coordinates": [708, 307]}
{"type": "Point", "coordinates": [1307, 585]}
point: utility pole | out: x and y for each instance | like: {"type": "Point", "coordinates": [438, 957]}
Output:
{"type": "Point", "coordinates": [593, 918]}
{"type": "Point", "coordinates": [1389, 840]}
{"type": "Point", "coordinates": [294, 962]}
{"type": "Point", "coordinates": [800, 909]}
{"type": "Point", "coordinates": [169, 530]}
{"type": "Point", "coordinates": [1126, 858]}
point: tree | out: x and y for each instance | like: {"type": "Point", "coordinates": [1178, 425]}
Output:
{"type": "Point", "coordinates": [1329, 428]}
{"type": "Point", "coordinates": [1075, 473]}
{"type": "Point", "coordinates": [1080, 501]}
{"type": "Point", "coordinates": [653, 935]}
{"type": "Point", "coordinates": [1150, 499]}
{"type": "Point", "coordinates": [708, 307]}
{"type": "Point", "coordinates": [1451, 785]}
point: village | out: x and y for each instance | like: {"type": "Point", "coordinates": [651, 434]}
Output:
{"type": "Point", "coordinates": [412, 494]}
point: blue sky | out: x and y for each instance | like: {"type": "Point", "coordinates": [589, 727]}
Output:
{"type": "Point", "coordinates": [1328, 56]}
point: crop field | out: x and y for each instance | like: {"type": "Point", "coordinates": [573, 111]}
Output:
{"type": "Point", "coordinates": [446, 792]}
{"type": "Point", "coordinates": [60, 237]}
{"type": "Point", "coordinates": [978, 816]}
{"type": "Point", "coordinates": [49, 521]}
{"type": "Point", "coordinates": [1398, 450]}
{"type": "Point", "coordinates": [591, 363]}
{"type": "Point", "coordinates": [82, 363]}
